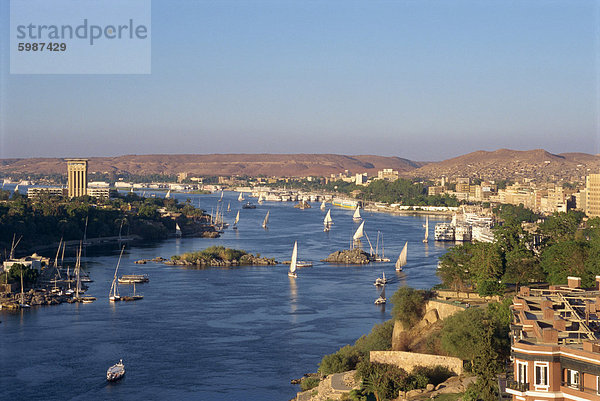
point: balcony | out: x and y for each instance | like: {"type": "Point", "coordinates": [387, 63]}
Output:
{"type": "Point", "coordinates": [514, 385]}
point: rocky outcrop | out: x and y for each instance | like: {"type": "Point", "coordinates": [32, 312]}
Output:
{"type": "Point", "coordinates": [245, 260]}
{"type": "Point", "coordinates": [349, 256]}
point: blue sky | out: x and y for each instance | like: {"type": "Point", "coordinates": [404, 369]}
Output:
{"type": "Point", "coordinates": [425, 80]}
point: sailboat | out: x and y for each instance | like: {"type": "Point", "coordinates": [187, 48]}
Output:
{"type": "Point", "coordinates": [229, 206]}
{"type": "Point", "coordinates": [113, 294]}
{"type": "Point", "coordinates": [221, 198]}
{"type": "Point", "coordinates": [168, 195]}
{"type": "Point", "coordinates": [381, 300]}
{"type": "Point", "coordinates": [381, 258]}
{"type": "Point", "coordinates": [426, 226]}
{"type": "Point", "coordinates": [380, 281]}
{"type": "Point", "coordinates": [260, 198]}
{"type": "Point", "coordinates": [327, 221]}
{"type": "Point", "coordinates": [16, 188]}
{"type": "Point", "coordinates": [292, 271]}
{"type": "Point", "coordinates": [237, 219]}
{"type": "Point", "coordinates": [177, 230]}
{"type": "Point", "coordinates": [241, 197]}
{"type": "Point", "coordinates": [402, 258]}
{"type": "Point", "coordinates": [359, 232]}
{"type": "Point", "coordinates": [22, 303]}
{"type": "Point", "coordinates": [323, 205]}
{"type": "Point", "coordinates": [266, 220]}
{"type": "Point", "coordinates": [356, 216]}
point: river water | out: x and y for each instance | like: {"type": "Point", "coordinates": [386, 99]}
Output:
{"type": "Point", "coordinates": [215, 333]}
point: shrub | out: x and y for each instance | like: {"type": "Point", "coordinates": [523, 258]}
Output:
{"type": "Point", "coordinates": [309, 383]}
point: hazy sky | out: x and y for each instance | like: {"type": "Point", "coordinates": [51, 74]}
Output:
{"type": "Point", "coordinates": [425, 80]}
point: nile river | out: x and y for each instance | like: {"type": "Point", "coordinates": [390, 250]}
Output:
{"type": "Point", "coordinates": [216, 333]}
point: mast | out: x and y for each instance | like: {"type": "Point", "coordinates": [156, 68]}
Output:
{"type": "Point", "coordinates": [113, 288]}
{"type": "Point", "coordinates": [266, 220]}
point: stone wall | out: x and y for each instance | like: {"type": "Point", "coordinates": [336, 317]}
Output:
{"type": "Point", "coordinates": [443, 309]}
{"type": "Point", "coordinates": [447, 294]}
{"type": "Point", "coordinates": [409, 360]}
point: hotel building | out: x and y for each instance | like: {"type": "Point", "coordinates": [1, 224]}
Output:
{"type": "Point", "coordinates": [555, 349]}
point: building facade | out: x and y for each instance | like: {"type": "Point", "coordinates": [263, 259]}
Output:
{"type": "Point", "coordinates": [555, 348]}
{"type": "Point", "coordinates": [77, 177]}
{"type": "Point", "coordinates": [592, 204]}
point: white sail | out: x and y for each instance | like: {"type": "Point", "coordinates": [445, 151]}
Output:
{"type": "Point", "coordinates": [266, 220]}
{"type": "Point", "coordinates": [17, 188]}
{"type": "Point", "coordinates": [177, 230]}
{"type": "Point", "coordinates": [168, 195]}
{"type": "Point", "coordinates": [241, 197]}
{"type": "Point", "coordinates": [426, 229]}
{"type": "Point", "coordinates": [359, 232]}
{"type": "Point", "coordinates": [294, 259]}
{"type": "Point", "coordinates": [402, 258]}
{"type": "Point", "coordinates": [237, 218]}
{"type": "Point", "coordinates": [113, 294]}
{"type": "Point", "coordinates": [323, 205]}
{"type": "Point", "coordinates": [328, 220]}
{"type": "Point", "coordinates": [221, 196]}
{"type": "Point", "coordinates": [356, 214]}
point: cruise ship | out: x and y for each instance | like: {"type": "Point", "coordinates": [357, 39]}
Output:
{"type": "Point", "coordinates": [347, 203]}
{"type": "Point", "coordinates": [462, 233]}
{"type": "Point", "coordinates": [444, 232]}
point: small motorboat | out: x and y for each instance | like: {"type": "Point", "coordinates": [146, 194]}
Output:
{"type": "Point", "coordinates": [248, 205]}
{"type": "Point", "coordinates": [115, 372]}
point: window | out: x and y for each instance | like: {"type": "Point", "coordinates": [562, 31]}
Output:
{"type": "Point", "coordinates": [541, 374]}
{"type": "Point", "coordinates": [598, 385]}
{"type": "Point", "coordinates": [521, 376]}
{"type": "Point", "coordinates": [572, 378]}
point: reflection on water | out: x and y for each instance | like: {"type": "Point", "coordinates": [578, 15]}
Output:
{"type": "Point", "coordinates": [213, 333]}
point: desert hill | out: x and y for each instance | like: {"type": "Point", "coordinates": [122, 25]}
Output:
{"type": "Point", "coordinates": [513, 164]}
{"type": "Point", "coordinates": [219, 164]}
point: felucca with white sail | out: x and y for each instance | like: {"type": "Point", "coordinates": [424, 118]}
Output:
{"type": "Point", "coordinates": [292, 271]}
{"type": "Point", "coordinates": [426, 226]}
{"type": "Point", "coordinates": [266, 220]}
{"type": "Point", "coordinates": [327, 221]}
{"type": "Point", "coordinates": [237, 219]}
{"type": "Point", "coordinates": [402, 258]}
{"type": "Point", "coordinates": [356, 216]}
{"type": "Point", "coordinates": [113, 294]}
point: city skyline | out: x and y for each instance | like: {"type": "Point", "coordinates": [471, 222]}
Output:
{"type": "Point", "coordinates": [420, 80]}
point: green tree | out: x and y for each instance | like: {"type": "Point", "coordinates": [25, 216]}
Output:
{"type": "Point", "coordinates": [409, 305]}
{"type": "Point", "coordinates": [566, 258]}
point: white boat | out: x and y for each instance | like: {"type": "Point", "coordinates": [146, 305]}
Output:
{"type": "Point", "coordinates": [237, 219]}
{"type": "Point", "coordinates": [266, 220]}
{"type": "Point", "coordinates": [115, 372]}
{"type": "Point", "coordinates": [177, 230]}
{"type": "Point", "coordinates": [402, 258]}
{"type": "Point", "coordinates": [260, 198]}
{"type": "Point", "coordinates": [381, 300]}
{"type": "Point", "coordinates": [113, 294]}
{"type": "Point", "coordinates": [356, 216]}
{"type": "Point", "coordinates": [168, 195]}
{"type": "Point", "coordinates": [323, 205]}
{"type": "Point", "coordinates": [241, 197]}
{"type": "Point", "coordinates": [327, 221]}
{"type": "Point", "coordinates": [426, 226]}
{"type": "Point", "coordinates": [380, 281]}
{"type": "Point", "coordinates": [229, 206]}
{"type": "Point", "coordinates": [303, 263]}
{"type": "Point", "coordinates": [292, 271]}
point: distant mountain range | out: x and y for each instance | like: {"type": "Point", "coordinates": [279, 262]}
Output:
{"type": "Point", "coordinates": [499, 164]}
